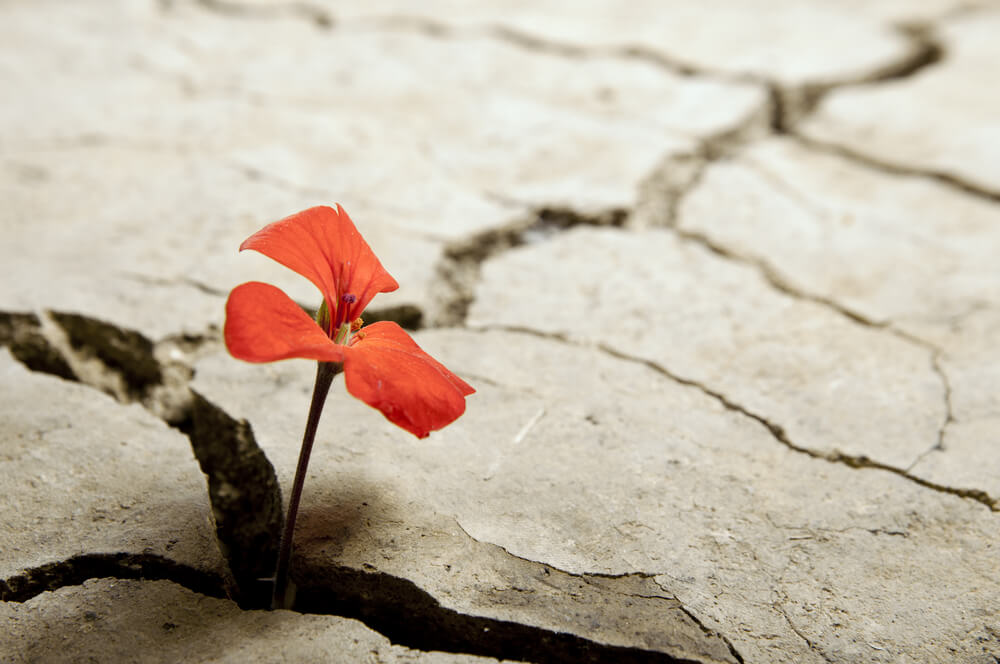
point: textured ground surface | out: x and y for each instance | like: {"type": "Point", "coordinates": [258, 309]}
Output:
{"type": "Point", "coordinates": [726, 277]}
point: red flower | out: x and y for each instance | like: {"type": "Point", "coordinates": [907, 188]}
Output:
{"type": "Point", "coordinates": [382, 365]}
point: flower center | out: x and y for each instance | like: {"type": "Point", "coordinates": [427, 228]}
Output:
{"type": "Point", "coordinates": [344, 328]}
{"type": "Point", "coordinates": [346, 300]}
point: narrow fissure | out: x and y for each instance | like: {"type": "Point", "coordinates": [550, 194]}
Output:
{"type": "Point", "coordinates": [779, 434]}
{"type": "Point", "coordinates": [458, 270]}
{"type": "Point", "coordinates": [893, 168]}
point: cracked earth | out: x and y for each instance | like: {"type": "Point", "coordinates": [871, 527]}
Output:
{"type": "Point", "coordinates": [725, 279]}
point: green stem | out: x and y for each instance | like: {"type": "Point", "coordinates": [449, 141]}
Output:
{"type": "Point", "coordinates": [324, 377]}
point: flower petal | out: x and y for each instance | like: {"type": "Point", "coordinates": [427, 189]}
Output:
{"type": "Point", "coordinates": [263, 325]}
{"type": "Point", "coordinates": [388, 370]}
{"type": "Point", "coordinates": [323, 245]}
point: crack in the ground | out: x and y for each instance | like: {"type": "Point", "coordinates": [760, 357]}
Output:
{"type": "Point", "coordinates": [459, 268]}
{"type": "Point", "coordinates": [792, 626]}
{"type": "Point", "coordinates": [244, 494]}
{"type": "Point", "coordinates": [708, 631]}
{"type": "Point", "coordinates": [22, 334]}
{"type": "Point", "coordinates": [949, 413]}
{"type": "Point", "coordinates": [895, 168]}
{"type": "Point", "coordinates": [74, 571]}
{"type": "Point", "coordinates": [791, 105]}
{"type": "Point", "coordinates": [125, 353]}
{"type": "Point", "coordinates": [407, 615]}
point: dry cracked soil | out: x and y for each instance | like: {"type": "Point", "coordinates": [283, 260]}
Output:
{"type": "Point", "coordinates": [724, 275]}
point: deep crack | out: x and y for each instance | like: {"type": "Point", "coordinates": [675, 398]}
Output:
{"type": "Point", "coordinates": [127, 353]}
{"type": "Point", "coordinates": [245, 497]}
{"type": "Point", "coordinates": [23, 335]}
{"type": "Point", "coordinates": [407, 615]}
{"type": "Point", "coordinates": [74, 571]}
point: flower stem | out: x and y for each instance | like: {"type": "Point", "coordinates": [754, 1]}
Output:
{"type": "Point", "coordinates": [325, 372]}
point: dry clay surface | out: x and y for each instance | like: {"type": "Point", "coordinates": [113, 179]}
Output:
{"type": "Point", "coordinates": [725, 279]}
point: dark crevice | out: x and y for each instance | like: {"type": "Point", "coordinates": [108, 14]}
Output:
{"type": "Point", "coordinates": [126, 352]}
{"type": "Point", "coordinates": [22, 334]}
{"type": "Point", "coordinates": [244, 494]}
{"type": "Point", "coordinates": [927, 52]}
{"type": "Point", "coordinates": [76, 570]}
{"type": "Point", "coordinates": [409, 616]}
{"type": "Point", "coordinates": [458, 271]}
{"type": "Point", "coordinates": [791, 104]}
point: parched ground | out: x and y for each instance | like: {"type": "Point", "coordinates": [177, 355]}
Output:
{"type": "Point", "coordinates": [725, 275]}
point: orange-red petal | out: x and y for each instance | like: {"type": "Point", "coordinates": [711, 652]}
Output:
{"type": "Point", "coordinates": [323, 245]}
{"type": "Point", "coordinates": [388, 370]}
{"type": "Point", "coordinates": [264, 325]}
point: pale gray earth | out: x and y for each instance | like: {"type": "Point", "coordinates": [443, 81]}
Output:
{"type": "Point", "coordinates": [725, 276]}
